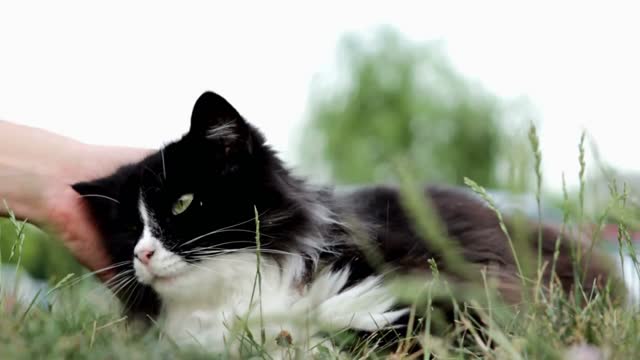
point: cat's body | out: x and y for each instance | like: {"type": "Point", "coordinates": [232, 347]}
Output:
{"type": "Point", "coordinates": [184, 221]}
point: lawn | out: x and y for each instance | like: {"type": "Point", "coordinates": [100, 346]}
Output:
{"type": "Point", "coordinates": [78, 318]}
{"type": "Point", "coordinates": [75, 317]}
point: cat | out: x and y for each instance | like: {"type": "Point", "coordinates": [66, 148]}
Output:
{"type": "Point", "coordinates": [196, 220]}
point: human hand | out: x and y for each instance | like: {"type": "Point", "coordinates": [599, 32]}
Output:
{"type": "Point", "coordinates": [69, 216]}
{"type": "Point", "coordinates": [36, 171]}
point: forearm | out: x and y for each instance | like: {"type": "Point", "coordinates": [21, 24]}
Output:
{"type": "Point", "coordinates": [28, 150]}
{"type": "Point", "coordinates": [38, 151]}
{"type": "Point", "coordinates": [31, 159]}
{"type": "Point", "coordinates": [36, 169]}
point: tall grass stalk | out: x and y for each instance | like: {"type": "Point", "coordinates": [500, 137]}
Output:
{"type": "Point", "coordinates": [429, 226]}
{"type": "Point", "coordinates": [576, 246]}
{"type": "Point", "coordinates": [535, 148]}
{"type": "Point", "coordinates": [624, 238]}
{"type": "Point", "coordinates": [581, 174]}
{"type": "Point", "coordinates": [563, 227]}
{"type": "Point", "coordinates": [484, 195]}
{"type": "Point", "coordinates": [1, 281]}
{"type": "Point", "coordinates": [596, 234]}
{"type": "Point", "coordinates": [18, 244]}
{"type": "Point", "coordinates": [258, 280]}
{"type": "Point", "coordinates": [427, 342]}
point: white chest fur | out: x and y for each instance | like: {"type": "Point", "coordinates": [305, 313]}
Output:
{"type": "Point", "coordinates": [223, 296]}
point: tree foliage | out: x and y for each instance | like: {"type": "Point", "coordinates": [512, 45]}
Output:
{"type": "Point", "coordinates": [394, 99]}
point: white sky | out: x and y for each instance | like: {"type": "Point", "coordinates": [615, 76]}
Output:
{"type": "Point", "coordinates": [128, 72]}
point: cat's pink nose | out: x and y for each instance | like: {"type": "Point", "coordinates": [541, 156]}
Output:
{"type": "Point", "coordinates": [144, 256]}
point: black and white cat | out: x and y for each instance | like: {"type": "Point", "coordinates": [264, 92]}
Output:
{"type": "Point", "coordinates": [184, 221]}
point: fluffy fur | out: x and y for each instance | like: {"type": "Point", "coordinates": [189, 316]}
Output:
{"type": "Point", "coordinates": [323, 256]}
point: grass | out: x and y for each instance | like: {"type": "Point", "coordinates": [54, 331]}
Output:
{"type": "Point", "coordinates": [81, 320]}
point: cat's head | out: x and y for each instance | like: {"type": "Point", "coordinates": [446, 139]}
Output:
{"type": "Point", "coordinates": [172, 217]}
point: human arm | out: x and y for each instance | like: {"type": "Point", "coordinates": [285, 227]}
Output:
{"type": "Point", "coordinates": [36, 169]}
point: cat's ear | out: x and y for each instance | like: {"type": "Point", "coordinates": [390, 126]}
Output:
{"type": "Point", "coordinates": [214, 118]}
{"type": "Point", "coordinates": [89, 188]}
{"type": "Point", "coordinates": [100, 195]}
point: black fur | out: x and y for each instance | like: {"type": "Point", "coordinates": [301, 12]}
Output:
{"type": "Point", "coordinates": [231, 171]}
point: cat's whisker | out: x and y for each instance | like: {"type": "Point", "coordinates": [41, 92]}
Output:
{"type": "Point", "coordinates": [226, 251]}
{"type": "Point", "coordinates": [217, 246]}
{"type": "Point", "coordinates": [122, 285]}
{"type": "Point", "coordinates": [124, 272]}
{"type": "Point", "coordinates": [208, 255]}
{"type": "Point", "coordinates": [222, 259]}
{"type": "Point", "coordinates": [282, 252]}
{"type": "Point", "coordinates": [117, 278]}
{"type": "Point", "coordinates": [111, 291]}
{"type": "Point", "coordinates": [113, 285]}
{"type": "Point", "coordinates": [221, 229]}
{"type": "Point", "coordinates": [206, 268]}
{"type": "Point", "coordinates": [212, 233]}
{"type": "Point", "coordinates": [131, 290]}
{"type": "Point", "coordinates": [125, 285]}
{"type": "Point", "coordinates": [220, 255]}
{"type": "Point", "coordinates": [216, 249]}
{"type": "Point", "coordinates": [117, 281]}
{"type": "Point", "coordinates": [164, 166]}
{"type": "Point", "coordinates": [227, 243]}
{"type": "Point", "coordinates": [99, 271]}
{"type": "Point", "coordinates": [137, 296]}
{"type": "Point", "coordinates": [118, 286]}
{"type": "Point", "coordinates": [125, 292]}
{"type": "Point", "coordinates": [154, 174]}
{"type": "Point", "coordinates": [247, 231]}
{"type": "Point", "coordinates": [100, 196]}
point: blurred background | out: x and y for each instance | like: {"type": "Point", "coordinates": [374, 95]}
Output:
{"type": "Point", "coordinates": [342, 89]}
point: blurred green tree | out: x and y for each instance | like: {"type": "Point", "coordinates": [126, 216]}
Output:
{"type": "Point", "coordinates": [395, 99]}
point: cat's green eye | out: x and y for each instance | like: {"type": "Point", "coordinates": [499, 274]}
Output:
{"type": "Point", "coordinates": [182, 204]}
